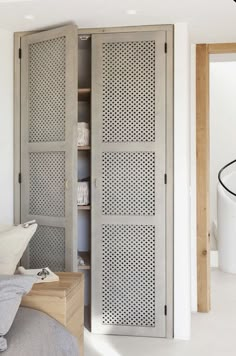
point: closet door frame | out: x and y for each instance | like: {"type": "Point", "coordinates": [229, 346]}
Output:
{"type": "Point", "coordinates": [169, 146]}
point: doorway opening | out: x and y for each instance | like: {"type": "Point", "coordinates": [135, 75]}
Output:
{"type": "Point", "coordinates": [215, 148]}
{"type": "Point", "coordinates": [222, 116]}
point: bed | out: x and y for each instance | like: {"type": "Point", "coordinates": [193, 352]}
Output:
{"type": "Point", "coordinates": [34, 333]}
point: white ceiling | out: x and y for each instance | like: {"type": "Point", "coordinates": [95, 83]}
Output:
{"type": "Point", "coordinates": [209, 20]}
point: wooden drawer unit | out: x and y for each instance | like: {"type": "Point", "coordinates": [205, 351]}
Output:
{"type": "Point", "coordinates": [63, 301]}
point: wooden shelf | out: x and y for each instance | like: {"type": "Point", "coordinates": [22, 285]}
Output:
{"type": "Point", "coordinates": [84, 207]}
{"type": "Point", "coordinates": [84, 148]}
{"type": "Point", "coordinates": [84, 91]}
{"type": "Point", "coordinates": [86, 257]}
{"type": "Point", "coordinates": [84, 94]}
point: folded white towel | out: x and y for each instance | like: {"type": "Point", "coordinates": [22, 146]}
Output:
{"type": "Point", "coordinates": [80, 261]}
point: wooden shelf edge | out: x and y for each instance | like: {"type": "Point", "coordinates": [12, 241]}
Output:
{"type": "Point", "coordinates": [84, 94]}
{"type": "Point", "coordinates": [84, 268]}
{"type": "Point", "coordinates": [84, 207]}
{"type": "Point", "coordinates": [84, 148]}
{"type": "Point", "coordinates": [84, 90]}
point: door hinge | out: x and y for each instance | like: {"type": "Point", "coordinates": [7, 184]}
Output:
{"type": "Point", "coordinates": [20, 53]}
{"type": "Point", "coordinates": [165, 309]}
{"type": "Point", "coordinates": [19, 178]}
{"type": "Point", "coordinates": [165, 178]}
{"type": "Point", "coordinates": [166, 47]}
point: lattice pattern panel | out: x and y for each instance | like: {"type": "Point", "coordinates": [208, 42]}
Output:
{"type": "Point", "coordinates": [128, 183]}
{"type": "Point", "coordinates": [129, 91]}
{"type": "Point", "coordinates": [47, 248]}
{"type": "Point", "coordinates": [47, 183]}
{"type": "Point", "coordinates": [128, 275]}
{"type": "Point", "coordinates": [47, 80]}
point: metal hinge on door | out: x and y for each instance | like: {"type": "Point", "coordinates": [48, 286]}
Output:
{"type": "Point", "coordinates": [165, 178]}
{"type": "Point", "coordinates": [165, 309]}
{"type": "Point", "coordinates": [19, 178]}
{"type": "Point", "coordinates": [166, 47]}
{"type": "Point", "coordinates": [20, 53]}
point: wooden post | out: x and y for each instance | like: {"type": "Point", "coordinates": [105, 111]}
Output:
{"type": "Point", "coordinates": [202, 128]}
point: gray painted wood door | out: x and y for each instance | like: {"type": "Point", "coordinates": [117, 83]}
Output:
{"type": "Point", "coordinates": [48, 146]}
{"type": "Point", "coordinates": [128, 187]}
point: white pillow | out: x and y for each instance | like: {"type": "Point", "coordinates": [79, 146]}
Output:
{"type": "Point", "coordinates": [13, 243]}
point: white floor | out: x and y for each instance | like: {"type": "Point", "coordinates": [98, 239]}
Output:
{"type": "Point", "coordinates": [213, 334]}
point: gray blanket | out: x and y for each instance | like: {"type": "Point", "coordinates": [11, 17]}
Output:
{"type": "Point", "coordinates": [34, 333]}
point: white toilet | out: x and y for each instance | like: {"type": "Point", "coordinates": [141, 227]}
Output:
{"type": "Point", "coordinates": [226, 221]}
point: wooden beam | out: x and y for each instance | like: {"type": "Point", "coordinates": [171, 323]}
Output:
{"type": "Point", "coordinates": [202, 128]}
{"type": "Point", "coordinates": [221, 48]}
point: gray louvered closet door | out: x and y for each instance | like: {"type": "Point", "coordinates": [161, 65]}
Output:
{"type": "Point", "coordinates": [48, 146]}
{"type": "Point", "coordinates": [128, 189]}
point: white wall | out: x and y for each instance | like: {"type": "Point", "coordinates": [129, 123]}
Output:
{"type": "Point", "coordinates": [193, 183]}
{"type": "Point", "coordinates": [222, 126]}
{"type": "Point", "coordinates": [182, 233]}
{"type": "Point", "coordinates": [6, 127]}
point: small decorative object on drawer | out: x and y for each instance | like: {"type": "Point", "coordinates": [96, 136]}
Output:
{"type": "Point", "coordinates": [83, 193]}
{"type": "Point", "coordinates": [83, 134]}
{"type": "Point", "coordinates": [43, 274]}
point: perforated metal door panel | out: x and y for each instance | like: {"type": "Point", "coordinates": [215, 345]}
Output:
{"type": "Point", "coordinates": [48, 146]}
{"type": "Point", "coordinates": [47, 248]}
{"type": "Point", "coordinates": [128, 195]}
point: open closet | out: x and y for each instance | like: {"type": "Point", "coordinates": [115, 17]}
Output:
{"type": "Point", "coordinates": [94, 167]}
